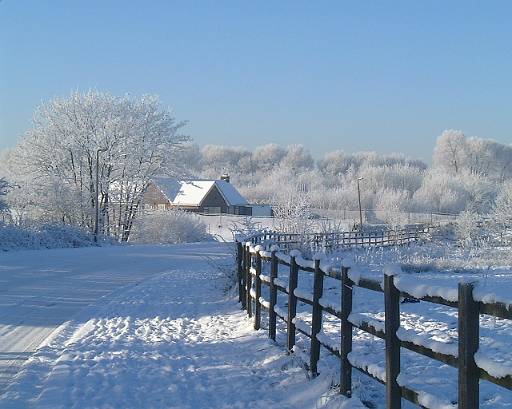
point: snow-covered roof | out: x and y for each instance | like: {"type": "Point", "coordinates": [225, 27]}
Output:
{"type": "Point", "coordinates": [193, 192]}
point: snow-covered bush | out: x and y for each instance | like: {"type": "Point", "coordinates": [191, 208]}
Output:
{"type": "Point", "coordinates": [245, 227]}
{"type": "Point", "coordinates": [47, 236]}
{"type": "Point", "coordinates": [467, 227]}
{"type": "Point", "coordinates": [331, 226]}
{"type": "Point", "coordinates": [169, 227]}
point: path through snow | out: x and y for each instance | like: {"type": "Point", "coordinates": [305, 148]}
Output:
{"type": "Point", "coordinates": [41, 290]}
{"type": "Point", "coordinates": [173, 341]}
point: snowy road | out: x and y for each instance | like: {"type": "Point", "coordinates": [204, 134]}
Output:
{"type": "Point", "coordinates": [174, 340]}
{"type": "Point", "coordinates": [40, 290]}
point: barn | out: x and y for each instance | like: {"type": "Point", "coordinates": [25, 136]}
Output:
{"type": "Point", "coordinates": [199, 196]}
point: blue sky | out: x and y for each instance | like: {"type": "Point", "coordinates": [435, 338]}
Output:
{"type": "Point", "coordinates": [373, 75]}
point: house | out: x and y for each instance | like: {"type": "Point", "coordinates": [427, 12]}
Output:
{"type": "Point", "coordinates": [200, 196]}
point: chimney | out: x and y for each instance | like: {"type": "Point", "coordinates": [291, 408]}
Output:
{"type": "Point", "coordinates": [225, 177]}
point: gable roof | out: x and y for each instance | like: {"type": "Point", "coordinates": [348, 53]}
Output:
{"type": "Point", "coordinates": [193, 192]}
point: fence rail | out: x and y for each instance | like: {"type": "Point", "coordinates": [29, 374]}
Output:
{"type": "Point", "coordinates": [323, 241]}
{"type": "Point", "coordinates": [250, 261]}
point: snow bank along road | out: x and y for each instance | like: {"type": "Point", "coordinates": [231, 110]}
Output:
{"type": "Point", "coordinates": [174, 340]}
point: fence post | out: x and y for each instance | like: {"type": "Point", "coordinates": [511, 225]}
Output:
{"type": "Point", "coordinates": [469, 336]}
{"type": "Point", "coordinates": [273, 297]}
{"type": "Point", "coordinates": [248, 281]}
{"type": "Point", "coordinates": [257, 288]}
{"type": "Point", "coordinates": [239, 260]}
{"type": "Point", "coordinates": [292, 303]}
{"type": "Point", "coordinates": [346, 333]}
{"type": "Point", "coordinates": [316, 322]}
{"type": "Point", "coordinates": [392, 312]}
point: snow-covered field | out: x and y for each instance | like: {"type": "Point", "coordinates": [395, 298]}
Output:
{"type": "Point", "coordinates": [141, 326]}
{"type": "Point", "coordinates": [431, 325]}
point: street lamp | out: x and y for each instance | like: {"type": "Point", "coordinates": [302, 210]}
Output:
{"type": "Point", "coordinates": [359, 199]}
{"type": "Point", "coordinates": [96, 224]}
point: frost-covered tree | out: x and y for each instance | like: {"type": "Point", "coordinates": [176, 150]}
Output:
{"type": "Point", "coordinates": [451, 151]}
{"type": "Point", "coordinates": [480, 191]}
{"type": "Point", "coordinates": [298, 158]}
{"type": "Point", "coordinates": [335, 163]}
{"type": "Point", "coordinates": [268, 157]}
{"type": "Point", "coordinates": [394, 205]}
{"type": "Point", "coordinates": [440, 192]}
{"type": "Point", "coordinates": [218, 159]}
{"type": "Point", "coordinates": [121, 141]}
{"type": "Point", "coordinates": [457, 154]}
{"type": "Point", "coordinates": [292, 209]}
{"type": "Point", "coordinates": [502, 211]}
{"type": "Point", "coordinates": [4, 185]}
{"type": "Point", "coordinates": [189, 156]}
{"type": "Point", "coordinates": [502, 161]}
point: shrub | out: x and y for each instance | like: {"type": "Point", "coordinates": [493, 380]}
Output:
{"type": "Point", "coordinates": [46, 236]}
{"type": "Point", "coordinates": [467, 227]}
{"type": "Point", "coordinates": [169, 227]}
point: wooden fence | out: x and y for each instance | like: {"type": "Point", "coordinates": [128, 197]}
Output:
{"type": "Point", "coordinates": [326, 241]}
{"type": "Point", "coordinates": [250, 261]}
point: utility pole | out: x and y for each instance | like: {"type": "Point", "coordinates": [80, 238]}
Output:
{"type": "Point", "coordinates": [96, 224]}
{"type": "Point", "coordinates": [360, 209]}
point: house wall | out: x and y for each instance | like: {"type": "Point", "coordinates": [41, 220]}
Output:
{"type": "Point", "coordinates": [213, 200]}
{"type": "Point", "coordinates": [155, 199]}
{"type": "Point", "coordinates": [261, 210]}
{"type": "Point", "coordinates": [214, 203]}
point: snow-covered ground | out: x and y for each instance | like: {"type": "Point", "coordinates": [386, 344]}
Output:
{"type": "Point", "coordinates": [427, 269]}
{"type": "Point", "coordinates": [154, 326]}
{"type": "Point", "coordinates": [142, 326]}
{"type": "Point", "coordinates": [41, 290]}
